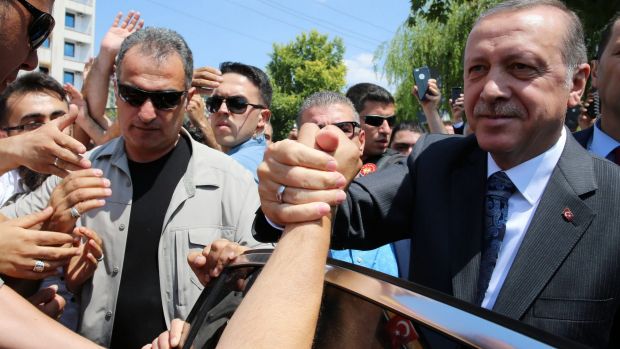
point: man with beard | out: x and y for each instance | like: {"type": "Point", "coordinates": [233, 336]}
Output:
{"type": "Point", "coordinates": [534, 227]}
{"type": "Point", "coordinates": [27, 104]}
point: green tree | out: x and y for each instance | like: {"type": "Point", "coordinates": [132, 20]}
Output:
{"type": "Point", "coordinates": [309, 64]}
{"type": "Point", "coordinates": [436, 38]}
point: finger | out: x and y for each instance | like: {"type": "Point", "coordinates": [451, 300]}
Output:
{"type": "Point", "coordinates": [134, 20]}
{"type": "Point", "coordinates": [140, 25]}
{"type": "Point", "coordinates": [82, 195]}
{"type": "Point", "coordinates": [43, 295]}
{"type": "Point", "coordinates": [54, 307]}
{"type": "Point", "coordinates": [56, 256]}
{"type": "Point", "coordinates": [84, 178]}
{"type": "Point", "coordinates": [88, 233]}
{"type": "Point", "coordinates": [284, 213]}
{"type": "Point", "coordinates": [299, 177]}
{"type": "Point", "coordinates": [296, 154]}
{"type": "Point", "coordinates": [127, 18]}
{"type": "Point", "coordinates": [30, 220]}
{"type": "Point", "coordinates": [176, 330]}
{"type": "Point", "coordinates": [117, 19]}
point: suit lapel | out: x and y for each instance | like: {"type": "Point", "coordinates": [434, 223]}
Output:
{"type": "Point", "coordinates": [550, 236]}
{"type": "Point", "coordinates": [467, 205]}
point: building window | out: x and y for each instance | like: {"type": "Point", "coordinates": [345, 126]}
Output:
{"type": "Point", "coordinates": [46, 43]}
{"type": "Point", "coordinates": [69, 49]}
{"type": "Point", "coordinates": [44, 70]}
{"type": "Point", "coordinates": [68, 77]}
{"type": "Point", "coordinates": [69, 20]}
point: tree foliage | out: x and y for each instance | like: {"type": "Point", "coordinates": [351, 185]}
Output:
{"type": "Point", "coordinates": [436, 38]}
{"type": "Point", "coordinates": [309, 64]}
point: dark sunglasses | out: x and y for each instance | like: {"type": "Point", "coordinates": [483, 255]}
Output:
{"type": "Point", "coordinates": [235, 104]}
{"type": "Point", "coordinates": [41, 26]}
{"type": "Point", "coordinates": [348, 127]}
{"type": "Point", "coordinates": [162, 100]}
{"type": "Point", "coordinates": [26, 127]}
{"type": "Point", "coordinates": [377, 120]}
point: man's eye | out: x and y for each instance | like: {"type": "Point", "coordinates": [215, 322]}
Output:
{"type": "Point", "coordinates": [476, 69]}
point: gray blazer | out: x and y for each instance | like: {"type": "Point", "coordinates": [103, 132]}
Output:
{"type": "Point", "coordinates": [565, 278]}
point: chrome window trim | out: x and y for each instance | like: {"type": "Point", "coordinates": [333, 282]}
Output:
{"type": "Point", "coordinates": [468, 328]}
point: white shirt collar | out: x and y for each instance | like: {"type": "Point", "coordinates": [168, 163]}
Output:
{"type": "Point", "coordinates": [602, 144]}
{"type": "Point", "coordinates": [531, 177]}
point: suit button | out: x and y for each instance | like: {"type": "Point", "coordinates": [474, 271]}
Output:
{"type": "Point", "coordinates": [108, 315]}
{"type": "Point", "coordinates": [115, 271]}
{"type": "Point", "coordinates": [128, 184]}
{"type": "Point", "coordinates": [121, 227]}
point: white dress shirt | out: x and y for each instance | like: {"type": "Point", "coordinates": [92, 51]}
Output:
{"type": "Point", "coordinates": [10, 184]}
{"type": "Point", "coordinates": [600, 143]}
{"type": "Point", "coordinates": [530, 178]}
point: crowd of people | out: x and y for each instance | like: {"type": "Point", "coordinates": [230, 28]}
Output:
{"type": "Point", "coordinates": [110, 228]}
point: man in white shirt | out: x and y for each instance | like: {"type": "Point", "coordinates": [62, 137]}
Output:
{"type": "Point", "coordinates": [519, 190]}
{"type": "Point", "coordinates": [603, 139]}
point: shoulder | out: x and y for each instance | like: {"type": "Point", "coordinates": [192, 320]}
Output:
{"type": "Point", "coordinates": [584, 136]}
{"type": "Point", "coordinates": [210, 163]}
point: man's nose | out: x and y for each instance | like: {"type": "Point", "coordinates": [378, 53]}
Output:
{"type": "Point", "coordinates": [147, 111]}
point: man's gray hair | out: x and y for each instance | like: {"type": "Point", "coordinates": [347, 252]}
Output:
{"type": "Point", "coordinates": [158, 43]}
{"type": "Point", "coordinates": [574, 52]}
{"type": "Point", "coordinates": [325, 99]}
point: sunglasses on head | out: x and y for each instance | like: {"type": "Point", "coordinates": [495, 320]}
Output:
{"type": "Point", "coordinates": [348, 127]}
{"type": "Point", "coordinates": [377, 120]}
{"type": "Point", "coordinates": [235, 104]}
{"type": "Point", "coordinates": [41, 26]}
{"type": "Point", "coordinates": [162, 100]}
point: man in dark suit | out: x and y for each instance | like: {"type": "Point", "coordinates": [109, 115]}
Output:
{"type": "Point", "coordinates": [603, 139]}
{"type": "Point", "coordinates": [535, 235]}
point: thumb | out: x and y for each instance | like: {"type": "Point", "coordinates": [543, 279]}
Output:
{"type": "Point", "coordinates": [328, 139]}
{"type": "Point", "coordinates": [43, 295]}
{"type": "Point", "coordinates": [31, 219]}
{"type": "Point", "coordinates": [67, 119]}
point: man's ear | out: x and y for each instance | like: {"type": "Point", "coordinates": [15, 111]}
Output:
{"type": "Point", "coordinates": [190, 94]}
{"type": "Point", "coordinates": [580, 78]}
{"type": "Point", "coordinates": [362, 139]}
{"type": "Point", "coordinates": [593, 71]}
{"type": "Point", "coordinates": [263, 118]}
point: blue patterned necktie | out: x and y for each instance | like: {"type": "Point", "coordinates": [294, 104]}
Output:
{"type": "Point", "coordinates": [499, 190]}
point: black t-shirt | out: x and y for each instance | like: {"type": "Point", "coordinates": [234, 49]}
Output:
{"type": "Point", "coordinates": [139, 314]}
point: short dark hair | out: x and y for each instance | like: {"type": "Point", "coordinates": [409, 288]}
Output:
{"type": "Point", "coordinates": [405, 126]}
{"type": "Point", "coordinates": [158, 43]}
{"type": "Point", "coordinates": [29, 83]}
{"type": "Point", "coordinates": [360, 93]}
{"type": "Point", "coordinates": [256, 75]}
{"type": "Point", "coordinates": [606, 35]}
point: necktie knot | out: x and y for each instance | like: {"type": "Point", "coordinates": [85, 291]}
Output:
{"type": "Point", "coordinates": [500, 185]}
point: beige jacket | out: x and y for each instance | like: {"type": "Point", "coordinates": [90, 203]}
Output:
{"type": "Point", "coordinates": [216, 198]}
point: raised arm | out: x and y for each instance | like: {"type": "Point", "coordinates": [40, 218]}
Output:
{"type": "Point", "coordinates": [96, 84]}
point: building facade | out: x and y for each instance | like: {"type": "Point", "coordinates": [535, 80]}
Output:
{"type": "Point", "coordinates": [72, 42]}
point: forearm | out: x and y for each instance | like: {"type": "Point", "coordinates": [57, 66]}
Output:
{"type": "Point", "coordinates": [207, 132]}
{"type": "Point", "coordinates": [435, 125]}
{"type": "Point", "coordinates": [29, 328]}
{"type": "Point", "coordinates": [274, 307]}
{"type": "Point", "coordinates": [95, 88]}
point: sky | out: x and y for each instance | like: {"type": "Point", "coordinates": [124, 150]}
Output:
{"type": "Point", "coordinates": [245, 30]}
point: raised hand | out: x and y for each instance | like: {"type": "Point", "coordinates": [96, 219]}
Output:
{"type": "Point", "coordinates": [209, 263]}
{"type": "Point", "coordinates": [83, 266]}
{"type": "Point", "coordinates": [119, 30]}
{"type": "Point", "coordinates": [31, 254]}
{"type": "Point", "coordinates": [76, 194]}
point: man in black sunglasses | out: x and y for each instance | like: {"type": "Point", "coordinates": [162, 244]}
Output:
{"type": "Point", "coordinates": [376, 109]}
{"type": "Point", "coordinates": [239, 109]}
{"type": "Point", "coordinates": [169, 196]}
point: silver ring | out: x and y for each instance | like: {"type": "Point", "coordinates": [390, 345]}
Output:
{"type": "Point", "coordinates": [280, 193]}
{"type": "Point", "coordinates": [39, 266]}
{"type": "Point", "coordinates": [75, 213]}
{"type": "Point", "coordinates": [56, 161]}
{"type": "Point", "coordinates": [100, 258]}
